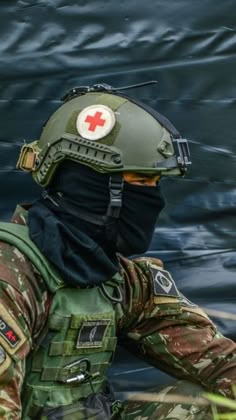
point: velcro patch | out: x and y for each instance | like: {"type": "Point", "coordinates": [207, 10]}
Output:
{"type": "Point", "coordinates": [8, 333]}
{"type": "Point", "coordinates": [91, 333]}
{"type": "Point", "coordinates": [163, 284]}
{"type": "Point", "coordinates": [11, 336]}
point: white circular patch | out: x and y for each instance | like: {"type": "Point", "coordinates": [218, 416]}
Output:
{"type": "Point", "coordinates": [95, 122]}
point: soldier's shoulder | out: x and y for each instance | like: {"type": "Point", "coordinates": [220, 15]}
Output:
{"type": "Point", "coordinates": [143, 262]}
{"type": "Point", "coordinates": [15, 268]}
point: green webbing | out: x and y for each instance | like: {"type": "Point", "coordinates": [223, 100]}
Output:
{"type": "Point", "coordinates": [63, 373]}
{"type": "Point", "coordinates": [58, 322]}
{"type": "Point", "coordinates": [76, 392]}
{"type": "Point", "coordinates": [77, 320]}
{"type": "Point", "coordinates": [37, 362]}
{"type": "Point", "coordinates": [67, 348]}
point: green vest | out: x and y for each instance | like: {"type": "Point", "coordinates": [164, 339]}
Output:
{"type": "Point", "coordinates": [71, 361]}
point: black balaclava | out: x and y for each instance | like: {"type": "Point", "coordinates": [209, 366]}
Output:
{"type": "Point", "coordinates": [68, 224]}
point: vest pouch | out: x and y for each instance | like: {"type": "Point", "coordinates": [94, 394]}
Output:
{"type": "Point", "coordinates": [81, 339]}
{"type": "Point", "coordinates": [94, 407]}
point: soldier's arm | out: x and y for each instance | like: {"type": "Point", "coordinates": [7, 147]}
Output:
{"type": "Point", "coordinates": [15, 344]}
{"type": "Point", "coordinates": [23, 308]}
{"type": "Point", "coordinates": [172, 333]}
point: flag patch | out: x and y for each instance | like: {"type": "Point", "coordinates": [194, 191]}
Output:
{"type": "Point", "coordinates": [163, 284]}
{"type": "Point", "coordinates": [91, 333]}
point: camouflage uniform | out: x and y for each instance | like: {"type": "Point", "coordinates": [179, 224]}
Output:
{"type": "Point", "coordinates": [168, 332]}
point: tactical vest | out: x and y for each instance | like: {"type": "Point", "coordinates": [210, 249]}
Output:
{"type": "Point", "coordinates": [71, 361]}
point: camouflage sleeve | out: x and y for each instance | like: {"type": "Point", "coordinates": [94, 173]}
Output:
{"type": "Point", "coordinates": [170, 332]}
{"type": "Point", "coordinates": [23, 308]}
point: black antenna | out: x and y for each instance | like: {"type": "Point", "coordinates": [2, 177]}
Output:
{"type": "Point", "coordinates": [101, 87]}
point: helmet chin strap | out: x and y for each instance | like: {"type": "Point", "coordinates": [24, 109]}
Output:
{"type": "Point", "coordinates": [116, 184]}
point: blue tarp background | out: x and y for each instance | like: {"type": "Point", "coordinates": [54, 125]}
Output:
{"type": "Point", "coordinates": [49, 46]}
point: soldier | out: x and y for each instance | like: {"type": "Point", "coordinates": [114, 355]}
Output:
{"type": "Point", "coordinates": [68, 290]}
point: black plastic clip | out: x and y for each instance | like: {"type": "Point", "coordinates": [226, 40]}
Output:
{"type": "Point", "coordinates": [101, 87]}
{"type": "Point", "coordinates": [182, 152]}
{"type": "Point", "coordinates": [116, 187]}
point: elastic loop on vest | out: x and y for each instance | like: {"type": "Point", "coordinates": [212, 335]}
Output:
{"type": "Point", "coordinates": [112, 298]}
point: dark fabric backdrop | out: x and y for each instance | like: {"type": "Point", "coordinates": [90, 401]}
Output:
{"type": "Point", "coordinates": [49, 46]}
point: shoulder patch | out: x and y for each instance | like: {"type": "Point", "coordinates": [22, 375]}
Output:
{"type": "Point", "coordinates": [8, 333]}
{"type": "Point", "coordinates": [11, 336]}
{"type": "Point", "coordinates": [163, 284]}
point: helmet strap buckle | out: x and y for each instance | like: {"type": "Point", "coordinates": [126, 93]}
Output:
{"type": "Point", "coordinates": [116, 183]}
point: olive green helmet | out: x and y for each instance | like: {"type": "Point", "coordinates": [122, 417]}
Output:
{"type": "Point", "coordinates": [109, 132]}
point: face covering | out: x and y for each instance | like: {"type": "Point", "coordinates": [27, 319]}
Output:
{"type": "Point", "coordinates": [69, 224]}
{"type": "Point", "coordinates": [141, 206]}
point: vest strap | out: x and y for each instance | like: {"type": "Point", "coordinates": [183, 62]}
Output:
{"type": "Point", "coordinates": [67, 348]}
{"type": "Point", "coordinates": [63, 373]}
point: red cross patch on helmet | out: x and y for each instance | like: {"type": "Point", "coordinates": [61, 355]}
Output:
{"type": "Point", "coordinates": [95, 122]}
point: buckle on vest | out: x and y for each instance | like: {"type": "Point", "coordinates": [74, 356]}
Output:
{"type": "Point", "coordinates": [84, 365]}
{"type": "Point", "coordinates": [84, 374]}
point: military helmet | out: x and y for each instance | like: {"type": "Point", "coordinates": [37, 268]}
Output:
{"type": "Point", "coordinates": [109, 132]}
